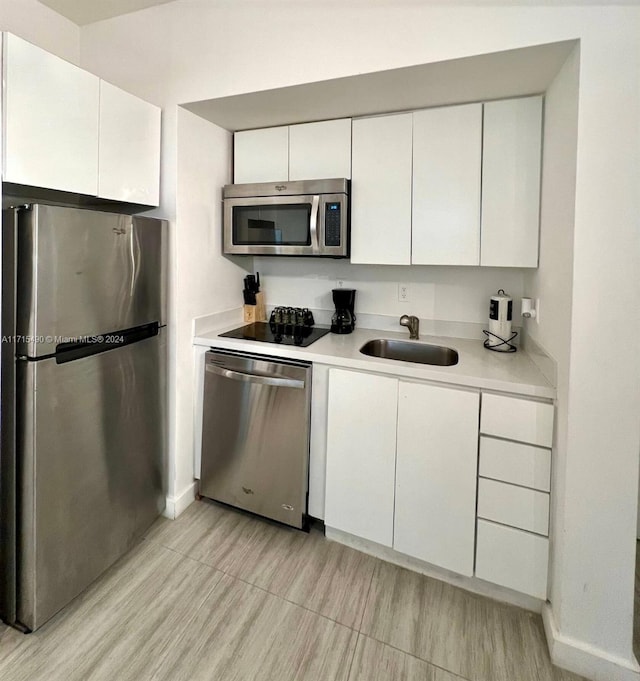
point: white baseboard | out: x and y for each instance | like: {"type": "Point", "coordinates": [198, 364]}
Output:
{"type": "Point", "coordinates": [581, 658]}
{"type": "Point", "coordinates": [176, 505]}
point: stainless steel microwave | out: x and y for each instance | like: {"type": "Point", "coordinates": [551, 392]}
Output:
{"type": "Point", "coordinates": [287, 218]}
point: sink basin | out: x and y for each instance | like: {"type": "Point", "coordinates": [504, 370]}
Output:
{"type": "Point", "coordinates": [410, 351]}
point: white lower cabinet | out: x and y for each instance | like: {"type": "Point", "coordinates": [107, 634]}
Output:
{"type": "Point", "coordinates": [361, 454]}
{"type": "Point", "coordinates": [401, 466]}
{"type": "Point", "coordinates": [437, 453]}
{"type": "Point", "coordinates": [402, 471]}
{"type": "Point", "coordinates": [513, 505]}
{"type": "Point", "coordinates": [512, 558]}
{"type": "Point", "coordinates": [514, 483]}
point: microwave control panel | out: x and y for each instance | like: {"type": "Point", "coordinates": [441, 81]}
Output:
{"type": "Point", "coordinates": [332, 221]}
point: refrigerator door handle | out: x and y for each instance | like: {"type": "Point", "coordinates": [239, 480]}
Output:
{"type": "Point", "coordinates": [134, 250]}
{"type": "Point", "coordinates": [253, 378]}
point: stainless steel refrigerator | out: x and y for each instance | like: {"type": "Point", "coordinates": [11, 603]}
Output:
{"type": "Point", "coordinates": [83, 399]}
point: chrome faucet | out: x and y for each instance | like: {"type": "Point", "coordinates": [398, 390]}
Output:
{"type": "Point", "coordinates": [413, 324]}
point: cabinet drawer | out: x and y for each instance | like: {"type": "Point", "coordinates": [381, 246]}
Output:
{"type": "Point", "coordinates": [517, 419]}
{"type": "Point", "coordinates": [511, 505]}
{"type": "Point", "coordinates": [512, 558]}
{"type": "Point", "coordinates": [514, 462]}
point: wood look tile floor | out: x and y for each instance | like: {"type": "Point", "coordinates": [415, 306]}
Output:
{"type": "Point", "coordinates": [218, 595]}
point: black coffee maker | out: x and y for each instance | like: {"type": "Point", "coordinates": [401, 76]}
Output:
{"type": "Point", "coordinates": [344, 319]}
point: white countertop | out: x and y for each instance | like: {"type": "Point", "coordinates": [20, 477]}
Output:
{"type": "Point", "coordinates": [476, 368]}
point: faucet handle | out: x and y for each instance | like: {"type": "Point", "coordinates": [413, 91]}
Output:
{"type": "Point", "coordinates": [413, 324]}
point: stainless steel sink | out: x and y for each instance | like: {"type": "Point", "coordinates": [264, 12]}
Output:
{"type": "Point", "coordinates": [409, 351]}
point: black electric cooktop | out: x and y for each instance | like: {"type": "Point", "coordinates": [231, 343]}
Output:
{"type": "Point", "coordinates": [277, 332]}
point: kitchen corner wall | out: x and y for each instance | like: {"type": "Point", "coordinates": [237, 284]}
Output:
{"type": "Point", "coordinates": [454, 294]}
{"type": "Point", "coordinates": [203, 280]}
{"type": "Point", "coordinates": [552, 282]}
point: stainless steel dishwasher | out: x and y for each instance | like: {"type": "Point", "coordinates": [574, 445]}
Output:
{"type": "Point", "coordinates": [255, 435]}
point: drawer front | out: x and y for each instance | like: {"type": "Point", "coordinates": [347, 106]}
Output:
{"type": "Point", "coordinates": [515, 462]}
{"type": "Point", "coordinates": [517, 419]}
{"type": "Point", "coordinates": [515, 506]}
{"type": "Point", "coordinates": [512, 558]}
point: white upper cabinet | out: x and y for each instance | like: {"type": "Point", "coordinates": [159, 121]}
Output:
{"type": "Point", "coordinates": [51, 120]}
{"type": "Point", "coordinates": [464, 189]}
{"type": "Point", "coordinates": [361, 454]}
{"type": "Point", "coordinates": [381, 190]}
{"type": "Point", "coordinates": [129, 147]}
{"type": "Point", "coordinates": [435, 505]}
{"type": "Point", "coordinates": [320, 150]}
{"type": "Point", "coordinates": [67, 130]}
{"type": "Point", "coordinates": [447, 152]}
{"type": "Point", "coordinates": [309, 151]}
{"type": "Point", "coordinates": [511, 182]}
{"type": "Point", "coordinates": [261, 155]}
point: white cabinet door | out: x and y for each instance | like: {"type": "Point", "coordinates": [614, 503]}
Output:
{"type": "Point", "coordinates": [51, 120]}
{"type": "Point", "coordinates": [129, 151]}
{"type": "Point", "coordinates": [320, 150]}
{"type": "Point", "coordinates": [511, 182]}
{"type": "Point", "coordinates": [435, 506]}
{"type": "Point", "coordinates": [517, 418]}
{"type": "Point", "coordinates": [447, 159]}
{"type": "Point", "coordinates": [513, 505]}
{"type": "Point", "coordinates": [515, 559]}
{"type": "Point", "coordinates": [381, 190]}
{"type": "Point", "coordinates": [261, 155]}
{"type": "Point", "coordinates": [361, 454]}
{"type": "Point", "coordinates": [515, 462]}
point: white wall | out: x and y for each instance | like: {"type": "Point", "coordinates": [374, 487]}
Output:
{"type": "Point", "coordinates": [189, 50]}
{"type": "Point", "coordinates": [206, 281]}
{"type": "Point", "coordinates": [604, 392]}
{"type": "Point", "coordinates": [552, 282]}
{"type": "Point", "coordinates": [459, 294]}
{"type": "Point", "coordinates": [40, 25]}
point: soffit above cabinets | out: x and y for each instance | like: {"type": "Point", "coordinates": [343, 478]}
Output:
{"type": "Point", "coordinates": [84, 12]}
{"type": "Point", "coordinates": [497, 75]}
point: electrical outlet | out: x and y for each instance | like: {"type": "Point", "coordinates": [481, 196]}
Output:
{"type": "Point", "coordinates": [403, 293]}
{"type": "Point", "coordinates": [340, 283]}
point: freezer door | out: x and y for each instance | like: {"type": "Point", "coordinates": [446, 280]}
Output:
{"type": "Point", "coordinates": [84, 273]}
{"type": "Point", "coordinates": [90, 482]}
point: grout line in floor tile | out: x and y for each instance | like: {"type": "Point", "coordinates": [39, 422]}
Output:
{"type": "Point", "coordinates": [271, 593]}
{"type": "Point", "coordinates": [286, 600]}
{"type": "Point", "coordinates": [366, 599]}
{"type": "Point", "coordinates": [178, 634]}
{"type": "Point", "coordinates": [420, 659]}
{"type": "Point", "coordinates": [353, 657]}
{"type": "Point", "coordinates": [356, 630]}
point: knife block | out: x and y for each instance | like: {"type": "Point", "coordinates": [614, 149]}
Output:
{"type": "Point", "coordinates": [257, 312]}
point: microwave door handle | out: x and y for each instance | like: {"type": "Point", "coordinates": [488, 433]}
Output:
{"type": "Point", "coordinates": [313, 226]}
{"type": "Point", "coordinates": [253, 378]}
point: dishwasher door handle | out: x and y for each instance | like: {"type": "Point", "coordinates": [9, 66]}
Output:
{"type": "Point", "coordinates": [253, 378]}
